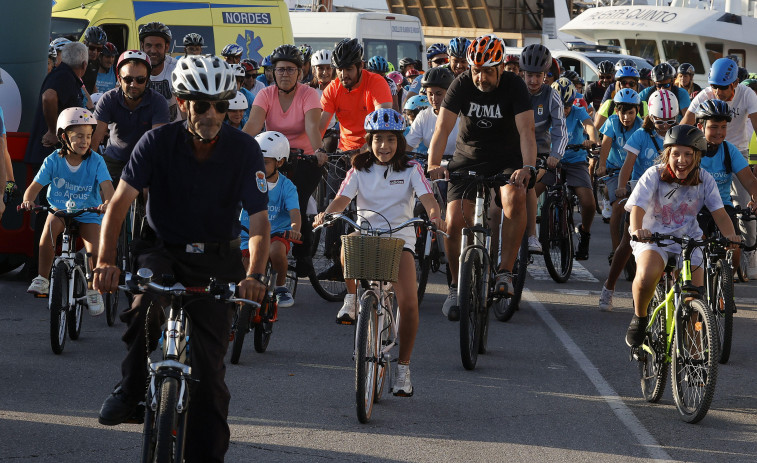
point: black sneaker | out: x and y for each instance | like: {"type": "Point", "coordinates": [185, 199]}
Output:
{"type": "Point", "coordinates": [118, 408]}
{"type": "Point", "coordinates": [582, 253]}
{"type": "Point", "coordinates": [636, 330]}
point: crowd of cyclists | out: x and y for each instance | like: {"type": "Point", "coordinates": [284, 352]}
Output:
{"type": "Point", "coordinates": [204, 141]}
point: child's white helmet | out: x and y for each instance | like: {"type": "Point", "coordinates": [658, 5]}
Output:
{"type": "Point", "coordinates": [238, 102]}
{"type": "Point", "coordinates": [70, 117]}
{"type": "Point", "coordinates": [663, 104]}
{"type": "Point", "coordinates": [273, 145]}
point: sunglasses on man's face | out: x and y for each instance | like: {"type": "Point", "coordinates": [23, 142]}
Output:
{"type": "Point", "coordinates": [661, 85]}
{"type": "Point", "coordinates": [440, 61]}
{"type": "Point", "coordinates": [250, 76]}
{"type": "Point", "coordinates": [201, 107]}
{"type": "Point", "coordinates": [95, 48]}
{"type": "Point", "coordinates": [129, 79]}
{"type": "Point", "coordinates": [720, 87]}
{"type": "Point", "coordinates": [605, 77]}
{"type": "Point", "coordinates": [661, 122]}
{"type": "Point", "coordinates": [627, 83]}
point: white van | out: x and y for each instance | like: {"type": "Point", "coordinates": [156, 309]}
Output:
{"type": "Point", "coordinates": [393, 36]}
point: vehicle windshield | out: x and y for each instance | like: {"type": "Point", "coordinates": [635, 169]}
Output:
{"type": "Point", "coordinates": [69, 28]}
{"type": "Point", "coordinates": [640, 63]}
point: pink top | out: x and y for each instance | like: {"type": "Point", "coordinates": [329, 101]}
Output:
{"type": "Point", "coordinates": [292, 122]}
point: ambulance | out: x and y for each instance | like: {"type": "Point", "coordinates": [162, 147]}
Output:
{"type": "Point", "coordinates": [258, 26]}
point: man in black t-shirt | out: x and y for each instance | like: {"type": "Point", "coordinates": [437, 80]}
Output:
{"type": "Point", "coordinates": [95, 39]}
{"type": "Point", "coordinates": [496, 135]}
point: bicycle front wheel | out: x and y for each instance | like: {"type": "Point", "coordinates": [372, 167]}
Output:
{"type": "Point", "coordinates": [58, 307]}
{"type": "Point", "coordinates": [167, 422]}
{"type": "Point", "coordinates": [695, 361]}
{"type": "Point", "coordinates": [239, 330]}
{"type": "Point", "coordinates": [653, 367]}
{"type": "Point", "coordinates": [327, 278]}
{"type": "Point", "coordinates": [366, 354]}
{"type": "Point", "coordinates": [422, 261]}
{"type": "Point", "coordinates": [470, 303]}
{"type": "Point", "coordinates": [723, 307]}
{"type": "Point", "coordinates": [557, 238]}
{"type": "Point", "coordinates": [76, 310]}
{"type": "Point", "coordinates": [383, 366]}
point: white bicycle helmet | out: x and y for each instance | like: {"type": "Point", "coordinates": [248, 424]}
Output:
{"type": "Point", "coordinates": [96, 97]}
{"type": "Point", "coordinates": [70, 117]}
{"type": "Point", "coordinates": [273, 145]}
{"type": "Point", "coordinates": [238, 70]}
{"type": "Point", "coordinates": [321, 57]}
{"type": "Point", "coordinates": [203, 78]}
{"type": "Point", "coordinates": [663, 104]}
{"type": "Point", "coordinates": [59, 42]}
{"type": "Point", "coordinates": [238, 102]}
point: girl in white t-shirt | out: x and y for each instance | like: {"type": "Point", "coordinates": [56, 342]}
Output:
{"type": "Point", "coordinates": [385, 180]}
{"type": "Point", "coordinates": [666, 200]}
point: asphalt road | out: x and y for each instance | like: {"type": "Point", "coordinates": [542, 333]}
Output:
{"type": "Point", "coordinates": [556, 385]}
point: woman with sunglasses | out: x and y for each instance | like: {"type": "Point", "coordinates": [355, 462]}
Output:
{"type": "Point", "coordinates": [625, 77]}
{"type": "Point", "coordinates": [293, 109]}
{"type": "Point", "coordinates": [663, 75]}
{"type": "Point", "coordinates": [437, 56]}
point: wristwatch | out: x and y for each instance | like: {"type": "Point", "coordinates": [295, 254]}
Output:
{"type": "Point", "coordinates": [532, 169]}
{"type": "Point", "coordinates": [258, 276]}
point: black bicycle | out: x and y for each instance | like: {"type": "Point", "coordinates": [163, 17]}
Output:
{"type": "Point", "coordinates": [556, 226]}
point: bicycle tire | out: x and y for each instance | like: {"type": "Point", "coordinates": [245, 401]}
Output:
{"type": "Point", "coordinates": [694, 371]}
{"type": "Point", "coordinates": [469, 302]}
{"type": "Point", "coordinates": [723, 307]}
{"type": "Point", "coordinates": [382, 366]}
{"type": "Point", "coordinates": [366, 349]}
{"type": "Point", "coordinates": [58, 307]}
{"type": "Point", "coordinates": [262, 336]}
{"type": "Point", "coordinates": [422, 261]}
{"type": "Point", "coordinates": [653, 369]}
{"type": "Point", "coordinates": [504, 309]}
{"type": "Point", "coordinates": [148, 434]}
{"type": "Point", "coordinates": [167, 421]}
{"type": "Point", "coordinates": [75, 311]}
{"type": "Point", "coordinates": [556, 238]}
{"type": "Point", "coordinates": [240, 330]}
{"type": "Point", "coordinates": [331, 289]}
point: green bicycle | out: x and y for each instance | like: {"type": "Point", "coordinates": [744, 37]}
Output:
{"type": "Point", "coordinates": [681, 332]}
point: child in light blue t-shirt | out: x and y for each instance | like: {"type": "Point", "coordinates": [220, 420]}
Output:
{"type": "Point", "coordinates": [75, 175]}
{"type": "Point", "coordinates": [283, 212]}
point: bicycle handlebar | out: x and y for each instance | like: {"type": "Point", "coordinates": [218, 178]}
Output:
{"type": "Point", "coordinates": [60, 212]}
{"type": "Point", "coordinates": [329, 219]}
{"type": "Point", "coordinates": [685, 240]}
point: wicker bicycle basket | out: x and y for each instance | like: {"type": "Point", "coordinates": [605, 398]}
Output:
{"type": "Point", "coordinates": [372, 257]}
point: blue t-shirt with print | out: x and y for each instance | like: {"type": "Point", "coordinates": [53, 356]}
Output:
{"type": "Point", "coordinates": [715, 165]}
{"type": "Point", "coordinates": [250, 98]}
{"type": "Point", "coordinates": [106, 81]}
{"type": "Point", "coordinates": [620, 135]}
{"type": "Point", "coordinates": [282, 198]}
{"type": "Point", "coordinates": [82, 186]}
{"type": "Point", "coordinates": [575, 127]}
{"type": "Point", "coordinates": [416, 85]}
{"type": "Point", "coordinates": [643, 144]}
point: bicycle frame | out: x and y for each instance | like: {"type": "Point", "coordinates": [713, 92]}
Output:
{"type": "Point", "coordinates": [480, 234]}
{"type": "Point", "coordinates": [384, 294]}
{"type": "Point", "coordinates": [68, 255]}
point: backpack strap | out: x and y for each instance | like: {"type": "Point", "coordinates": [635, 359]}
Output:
{"type": "Point", "coordinates": [727, 160]}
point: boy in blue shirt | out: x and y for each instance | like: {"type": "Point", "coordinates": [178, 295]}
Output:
{"type": "Point", "coordinates": [575, 166]}
{"type": "Point", "coordinates": [74, 173]}
{"type": "Point", "coordinates": [283, 211]}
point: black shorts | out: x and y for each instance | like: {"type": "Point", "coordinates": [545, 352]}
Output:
{"type": "Point", "coordinates": [462, 189]}
{"type": "Point", "coordinates": [707, 224]}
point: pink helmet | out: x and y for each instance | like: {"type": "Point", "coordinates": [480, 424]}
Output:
{"type": "Point", "coordinates": [74, 116]}
{"type": "Point", "coordinates": [131, 55]}
{"type": "Point", "coordinates": [663, 104]}
{"type": "Point", "coordinates": [396, 76]}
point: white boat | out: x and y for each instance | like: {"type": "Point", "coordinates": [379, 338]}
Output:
{"type": "Point", "coordinates": [696, 32]}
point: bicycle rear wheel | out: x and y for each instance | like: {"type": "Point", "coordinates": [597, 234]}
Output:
{"type": "Point", "coordinates": [58, 307]}
{"type": "Point", "coordinates": [695, 361]}
{"type": "Point", "coordinates": [239, 331]}
{"type": "Point", "coordinates": [366, 353]}
{"type": "Point", "coordinates": [505, 308]}
{"type": "Point", "coordinates": [470, 303]}
{"type": "Point", "coordinates": [653, 368]}
{"type": "Point", "coordinates": [723, 307]}
{"type": "Point", "coordinates": [557, 238]}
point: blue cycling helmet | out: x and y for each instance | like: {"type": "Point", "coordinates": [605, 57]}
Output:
{"type": "Point", "coordinates": [384, 119]}
{"type": "Point", "coordinates": [232, 49]}
{"type": "Point", "coordinates": [713, 109]}
{"type": "Point", "coordinates": [627, 96]}
{"type": "Point", "coordinates": [724, 71]}
{"type": "Point", "coordinates": [436, 49]}
{"type": "Point", "coordinates": [627, 71]}
{"type": "Point", "coordinates": [416, 103]}
{"type": "Point", "coordinates": [95, 35]}
{"type": "Point", "coordinates": [458, 46]}
{"type": "Point", "coordinates": [378, 64]}
{"type": "Point", "coordinates": [267, 62]}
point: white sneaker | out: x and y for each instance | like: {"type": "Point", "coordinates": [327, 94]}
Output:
{"type": "Point", "coordinates": [605, 300]}
{"type": "Point", "coordinates": [95, 302]}
{"type": "Point", "coordinates": [402, 385]}
{"type": "Point", "coordinates": [347, 313]}
{"type": "Point", "coordinates": [606, 209]}
{"type": "Point", "coordinates": [40, 286]}
{"type": "Point", "coordinates": [534, 246]}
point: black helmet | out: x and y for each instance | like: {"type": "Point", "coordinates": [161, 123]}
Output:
{"type": "Point", "coordinates": [743, 74]}
{"type": "Point", "coordinates": [407, 61]}
{"type": "Point", "coordinates": [686, 68]}
{"type": "Point", "coordinates": [346, 53]}
{"type": "Point", "coordinates": [95, 35]}
{"type": "Point", "coordinates": [571, 75]}
{"type": "Point", "coordinates": [535, 58]}
{"type": "Point", "coordinates": [686, 135]}
{"type": "Point", "coordinates": [663, 71]}
{"type": "Point", "coordinates": [645, 73]}
{"type": "Point", "coordinates": [606, 67]}
{"type": "Point", "coordinates": [626, 62]}
{"type": "Point", "coordinates": [157, 29]}
{"type": "Point", "coordinates": [437, 77]}
{"type": "Point", "coordinates": [674, 62]}
{"type": "Point", "coordinates": [193, 38]}
{"type": "Point", "coordinates": [713, 109]}
{"type": "Point", "coordinates": [288, 53]}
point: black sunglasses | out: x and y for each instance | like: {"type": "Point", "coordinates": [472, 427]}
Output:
{"type": "Point", "coordinates": [201, 107]}
{"type": "Point", "coordinates": [628, 83]}
{"type": "Point", "coordinates": [129, 79]}
{"type": "Point", "coordinates": [720, 87]}
{"type": "Point", "coordinates": [658, 85]}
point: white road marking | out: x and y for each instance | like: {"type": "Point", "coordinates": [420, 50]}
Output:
{"type": "Point", "coordinates": [538, 271]}
{"type": "Point", "coordinates": [624, 414]}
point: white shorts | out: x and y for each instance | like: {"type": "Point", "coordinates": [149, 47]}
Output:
{"type": "Point", "coordinates": [639, 247]}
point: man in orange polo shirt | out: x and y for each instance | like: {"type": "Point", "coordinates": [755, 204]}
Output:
{"type": "Point", "coordinates": [354, 94]}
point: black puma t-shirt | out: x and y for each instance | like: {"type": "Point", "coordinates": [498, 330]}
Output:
{"type": "Point", "coordinates": [487, 119]}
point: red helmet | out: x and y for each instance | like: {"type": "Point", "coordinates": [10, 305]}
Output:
{"type": "Point", "coordinates": [133, 55]}
{"type": "Point", "coordinates": [512, 59]}
{"type": "Point", "coordinates": [486, 51]}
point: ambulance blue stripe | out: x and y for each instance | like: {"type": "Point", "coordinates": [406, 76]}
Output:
{"type": "Point", "coordinates": [142, 9]}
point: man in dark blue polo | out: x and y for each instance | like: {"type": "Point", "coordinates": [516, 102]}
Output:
{"type": "Point", "coordinates": [200, 172]}
{"type": "Point", "coordinates": [128, 111]}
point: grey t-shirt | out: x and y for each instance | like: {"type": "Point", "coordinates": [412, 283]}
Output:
{"type": "Point", "coordinates": [549, 119]}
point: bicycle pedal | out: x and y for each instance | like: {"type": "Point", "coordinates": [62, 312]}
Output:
{"type": "Point", "coordinates": [138, 417]}
{"type": "Point", "coordinates": [634, 355]}
{"type": "Point", "coordinates": [41, 296]}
